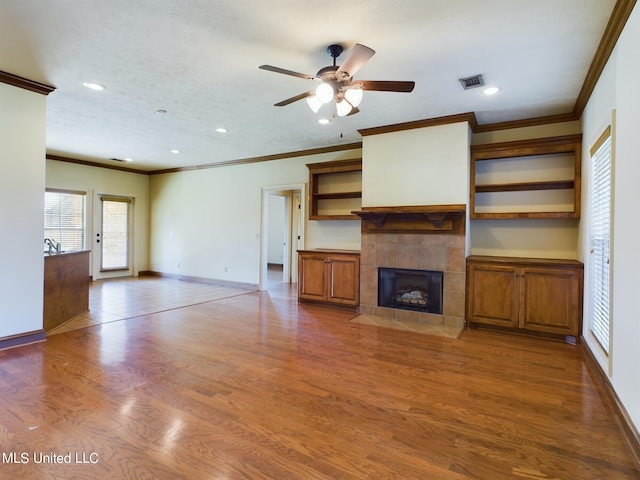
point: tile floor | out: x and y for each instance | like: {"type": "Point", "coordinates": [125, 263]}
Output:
{"type": "Point", "coordinates": [121, 298]}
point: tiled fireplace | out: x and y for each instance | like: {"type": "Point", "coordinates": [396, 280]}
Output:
{"type": "Point", "coordinates": [430, 238]}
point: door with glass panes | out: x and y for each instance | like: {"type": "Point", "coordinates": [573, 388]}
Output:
{"type": "Point", "coordinates": [112, 252]}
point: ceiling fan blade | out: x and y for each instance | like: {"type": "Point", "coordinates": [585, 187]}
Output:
{"type": "Point", "coordinates": [294, 99]}
{"type": "Point", "coordinates": [353, 111]}
{"type": "Point", "coordinates": [271, 68]}
{"type": "Point", "coordinates": [386, 86]}
{"type": "Point", "coordinates": [357, 57]}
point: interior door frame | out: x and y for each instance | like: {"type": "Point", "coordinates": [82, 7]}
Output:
{"type": "Point", "coordinates": [288, 191]}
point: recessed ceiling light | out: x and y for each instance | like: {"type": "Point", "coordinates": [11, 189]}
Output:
{"type": "Point", "coordinates": [221, 130]}
{"type": "Point", "coordinates": [161, 111]}
{"type": "Point", "coordinates": [175, 150]}
{"type": "Point", "coordinates": [324, 121]}
{"type": "Point", "coordinates": [128, 159]}
{"type": "Point", "coordinates": [94, 86]}
{"type": "Point", "coordinates": [491, 90]}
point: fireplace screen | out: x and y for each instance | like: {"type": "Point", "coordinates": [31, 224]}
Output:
{"type": "Point", "coordinates": [419, 290]}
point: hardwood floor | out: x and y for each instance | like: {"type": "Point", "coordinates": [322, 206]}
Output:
{"type": "Point", "coordinates": [256, 386]}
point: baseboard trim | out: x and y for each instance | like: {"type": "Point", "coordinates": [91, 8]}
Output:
{"type": "Point", "coordinates": [208, 281]}
{"type": "Point", "coordinates": [620, 414]}
{"type": "Point", "coordinates": [22, 339]}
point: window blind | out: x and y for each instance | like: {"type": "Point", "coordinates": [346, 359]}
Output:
{"type": "Point", "coordinates": [64, 219]}
{"type": "Point", "coordinates": [600, 241]}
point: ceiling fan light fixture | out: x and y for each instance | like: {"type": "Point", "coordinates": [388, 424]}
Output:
{"type": "Point", "coordinates": [324, 93]}
{"type": "Point", "coordinates": [314, 103]}
{"type": "Point", "coordinates": [354, 96]}
{"type": "Point", "coordinates": [343, 108]}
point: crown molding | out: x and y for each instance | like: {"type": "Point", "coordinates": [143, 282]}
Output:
{"type": "Point", "coordinates": [59, 158]}
{"type": "Point", "coordinates": [264, 158]}
{"type": "Point", "coordinates": [469, 117]}
{"type": "Point", "coordinates": [527, 122]}
{"type": "Point", "coordinates": [619, 16]}
{"type": "Point", "coordinates": [25, 83]}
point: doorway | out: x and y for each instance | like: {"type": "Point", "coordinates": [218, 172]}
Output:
{"type": "Point", "coordinates": [113, 231]}
{"type": "Point", "coordinates": [286, 203]}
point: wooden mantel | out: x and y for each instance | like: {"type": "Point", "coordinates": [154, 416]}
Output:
{"type": "Point", "coordinates": [413, 219]}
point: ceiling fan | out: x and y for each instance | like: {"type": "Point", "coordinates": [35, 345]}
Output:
{"type": "Point", "coordinates": [337, 82]}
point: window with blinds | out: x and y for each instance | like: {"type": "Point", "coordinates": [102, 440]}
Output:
{"type": "Point", "coordinates": [64, 219]}
{"type": "Point", "coordinates": [600, 240]}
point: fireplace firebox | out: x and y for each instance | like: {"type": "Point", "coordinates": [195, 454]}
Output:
{"type": "Point", "coordinates": [419, 290]}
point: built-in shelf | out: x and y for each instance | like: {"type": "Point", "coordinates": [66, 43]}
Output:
{"type": "Point", "coordinates": [506, 176]}
{"type": "Point", "coordinates": [335, 189]}
{"type": "Point", "coordinates": [329, 196]}
{"type": "Point", "coordinates": [526, 186]}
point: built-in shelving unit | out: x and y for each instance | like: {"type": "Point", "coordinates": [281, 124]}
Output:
{"type": "Point", "coordinates": [335, 189]}
{"type": "Point", "coordinates": [537, 178]}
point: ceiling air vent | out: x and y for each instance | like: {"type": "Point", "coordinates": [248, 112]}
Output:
{"type": "Point", "coordinates": [472, 82]}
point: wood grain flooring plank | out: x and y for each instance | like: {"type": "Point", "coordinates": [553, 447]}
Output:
{"type": "Point", "coordinates": [257, 386]}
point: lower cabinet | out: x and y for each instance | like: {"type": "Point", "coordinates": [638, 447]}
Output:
{"type": "Point", "coordinates": [525, 294]}
{"type": "Point", "coordinates": [331, 277]}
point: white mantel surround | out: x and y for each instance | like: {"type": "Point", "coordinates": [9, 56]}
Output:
{"type": "Point", "coordinates": [425, 166]}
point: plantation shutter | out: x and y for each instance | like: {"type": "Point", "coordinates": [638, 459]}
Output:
{"type": "Point", "coordinates": [64, 218]}
{"type": "Point", "coordinates": [600, 240]}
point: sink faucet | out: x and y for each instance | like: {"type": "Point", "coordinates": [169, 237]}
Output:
{"type": "Point", "coordinates": [52, 245]}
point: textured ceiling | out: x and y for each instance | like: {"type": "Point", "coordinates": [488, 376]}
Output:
{"type": "Point", "coordinates": [198, 60]}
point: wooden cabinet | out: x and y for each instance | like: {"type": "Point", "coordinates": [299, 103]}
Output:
{"type": "Point", "coordinates": [537, 178]}
{"type": "Point", "coordinates": [335, 189]}
{"type": "Point", "coordinates": [66, 287]}
{"type": "Point", "coordinates": [531, 295]}
{"type": "Point", "coordinates": [329, 276]}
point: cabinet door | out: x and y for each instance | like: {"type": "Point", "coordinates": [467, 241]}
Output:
{"type": "Point", "coordinates": [551, 300]}
{"type": "Point", "coordinates": [492, 295]}
{"type": "Point", "coordinates": [344, 279]}
{"type": "Point", "coordinates": [312, 281]}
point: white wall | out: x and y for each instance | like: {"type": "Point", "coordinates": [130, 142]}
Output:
{"type": "Point", "coordinates": [617, 89]}
{"type": "Point", "coordinates": [22, 135]}
{"type": "Point", "coordinates": [534, 238]}
{"type": "Point", "coordinates": [422, 166]}
{"type": "Point", "coordinates": [207, 222]}
{"type": "Point", "coordinates": [96, 181]}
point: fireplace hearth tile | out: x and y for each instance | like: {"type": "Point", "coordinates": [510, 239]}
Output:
{"type": "Point", "coordinates": [385, 322]}
{"type": "Point", "coordinates": [454, 306]}
{"type": "Point", "coordinates": [386, 254]}
{"type": "Point", "coordinates": [433, 257]}
{"type": "Point", "coordinates": [439, 251]}
{"type": "Point", "coordinates": [454, 282]}
{"type": "Point", "coordinates": [408, 255]}
{"type": "Point", "coordinates": [407, 316]}
{"type": "Point", "coordinates": [455, 259]}
{"type": "Point", "coordinates": [409, 239]}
